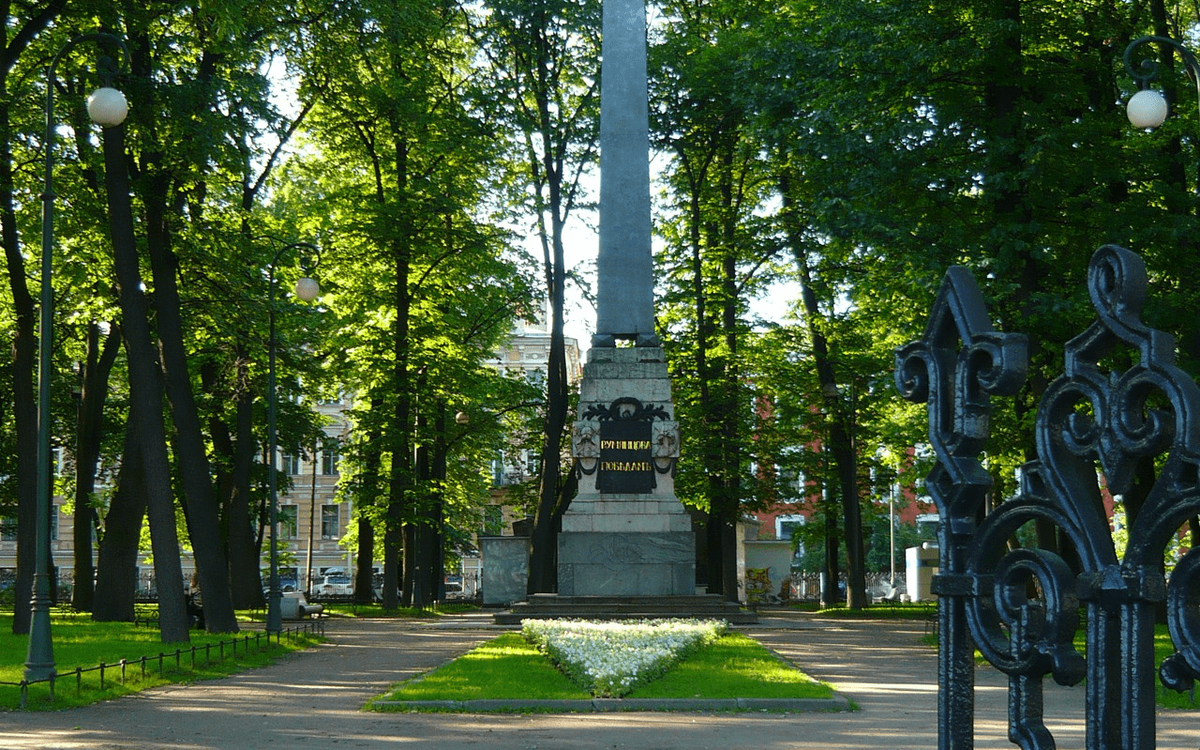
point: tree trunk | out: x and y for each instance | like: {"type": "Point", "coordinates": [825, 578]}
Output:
{"type": "Point", "coordinates": [24, 344]}
{"type": "Point", "coordinates": [401, 429]}
{"type": "Point", "coordinates": [116, 571]}
{"type": "Point", "coordinates": [841, 447]}
{"type": "Point", "coordinates": [24, 397]}
{"type": "Point", "coordinates": [203, 519]}
{"type": "Point", "coordinates": [364, 575]}
{"type": "Point", "coordinates": [438, 514]}
{"type": "Point", "coordinates": [543, 558]}
{"type": "Point", "coordinates": [838, 418]}
{"type": "Point", "coordinates": [245, 550]}
{"type": "Point", "coordinates": [233, 488]}
{"type": "Point", "coordinates": [830, 570]}
{"type": "Point", "coordinates": [420, 543]}
{"type": "Point", "coordinates": [364, 579]}
{"type": "Point", "coordinates": [146, 396]}
{"type": "Point", "coordinates": [88, 435]}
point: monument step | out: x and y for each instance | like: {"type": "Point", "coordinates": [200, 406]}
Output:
{"type": "Point", "coordinates": [553, 606]}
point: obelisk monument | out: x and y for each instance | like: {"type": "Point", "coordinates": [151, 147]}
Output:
{"type": "Point", "coordinates": [625, 279]}
{"type": "Point", "coordinates": [625, 534]}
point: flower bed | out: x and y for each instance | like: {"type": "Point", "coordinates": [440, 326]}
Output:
{"type": "Point", "coordinates": [612, 658]}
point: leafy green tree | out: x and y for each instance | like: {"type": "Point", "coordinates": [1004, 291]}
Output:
{"type": "Point", "coordinates": [20, 30]}
{"type": "Point", "coordinates": [542, 60]}
{"type": "Point", "coordinates": [716, 257]}
{"type": "Point", "coordinates": [915, 136]}
{"type": "Point", "coordinates": [417, 274]}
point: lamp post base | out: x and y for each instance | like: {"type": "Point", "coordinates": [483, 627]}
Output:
{"type": "Point", "coordinates": [274, 611]}
{"type": "Point", "coordinates": [39, 659]}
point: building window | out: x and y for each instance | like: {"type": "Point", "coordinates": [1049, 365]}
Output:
{"type": "Point", "coordinates": [785, 526]}
{"type": "Point", "coordinates": [8, 529]}
{"type": "Point", "coordinates": [329, 457]}
{"type": "Point", "coordinates": [329, 522]}
{"type": "Point", "coordinates": [288, 521]}
{"type": "Point", "coordinates": [54, 522]}
{"type": "Point", "coordinates": [498, 471]}
{"type": "Point", "coordinates": [290, 464]}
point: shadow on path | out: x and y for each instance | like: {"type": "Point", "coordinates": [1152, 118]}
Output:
{"type": "Point", "coordinates": [312, 700]}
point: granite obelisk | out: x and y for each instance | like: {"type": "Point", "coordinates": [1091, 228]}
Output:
{"type": "Point", "coordinates": [625, 534]}
{"type": "Point", "coordinates": [625, 280]}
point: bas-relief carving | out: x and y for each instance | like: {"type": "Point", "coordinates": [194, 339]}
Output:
{"type": "Point", "coordinates": [665, 445]}
{"type": "Point", "coordinates": [585, 440]}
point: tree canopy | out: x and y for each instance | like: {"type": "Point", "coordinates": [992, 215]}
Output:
{"type": "Point", "coordinates": [847, 151]}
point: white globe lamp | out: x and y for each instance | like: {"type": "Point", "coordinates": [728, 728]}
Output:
{"type": "Point", "coordinates": [1146, 109]}
{"type": "Point", "coordinates": [307, 289]}
{"type": "Point", "coordinates": [107, 107]}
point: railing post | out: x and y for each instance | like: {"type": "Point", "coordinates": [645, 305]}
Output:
{"type": "Point", "coordinates": [1119, 404]}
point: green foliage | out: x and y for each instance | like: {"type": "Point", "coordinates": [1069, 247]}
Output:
{"type": "Point", "coordinates": [860, 146]}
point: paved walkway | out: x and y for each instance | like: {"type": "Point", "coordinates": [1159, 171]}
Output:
{"type": "Point", "coordinates": [311, 700]}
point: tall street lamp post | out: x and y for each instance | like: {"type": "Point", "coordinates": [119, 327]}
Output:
{"type": "Point", "coordinates": [1148, 107]}
{"type": "Point", "coordinates": [107, 107]}
{"type": "Point", "coordinates": [306, 290]}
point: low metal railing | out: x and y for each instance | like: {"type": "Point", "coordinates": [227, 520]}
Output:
{"type": "Point", "coordinates": [181, 657]}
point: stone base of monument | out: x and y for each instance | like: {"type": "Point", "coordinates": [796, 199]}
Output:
{"type": "Point", "coordinates": [599, 563]}
{"type": "Point", "coordinates": [556, 606]}
{"type": "Point", "coordinates": [625, 533]}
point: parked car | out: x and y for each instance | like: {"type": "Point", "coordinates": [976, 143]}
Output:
{"type": "Point", "coordinates": [334, 585]}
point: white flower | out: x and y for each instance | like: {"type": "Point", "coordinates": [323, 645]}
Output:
{"type": "Point", "coordinates": [612, 657]}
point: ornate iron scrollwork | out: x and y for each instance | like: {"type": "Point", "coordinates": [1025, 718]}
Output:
{"type": "Point", "coordinates": [955, 368]}
{"type": "Point", "coordinates": [1119, 402]}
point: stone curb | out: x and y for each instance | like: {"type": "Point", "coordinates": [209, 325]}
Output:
{"type": "Point", "coordinates": [599, 705]}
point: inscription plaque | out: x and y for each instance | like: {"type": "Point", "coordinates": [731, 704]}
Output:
{"type": "Point", "coordinates": [626, 462]}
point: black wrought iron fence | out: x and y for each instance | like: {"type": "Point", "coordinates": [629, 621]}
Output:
{"type": "Point", "coordinates": [179, 659]}
{"type": "Point", "coordinates": [1121, 417]}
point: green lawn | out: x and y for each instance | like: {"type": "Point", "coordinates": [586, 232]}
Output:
{"type": "Point", "coordinates": [80, 642]}
{"type": "Point", "coordinates": [377, 610]}
{"type": "Point", "coordinates": [504, 667]}
{"type": "Point", "coordinates": [735, 666]}
{"type": "Point", "coordinates": [508, 667]}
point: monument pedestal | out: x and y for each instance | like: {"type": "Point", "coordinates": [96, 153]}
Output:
{"type": "Point", "coordinates": [626, 534]}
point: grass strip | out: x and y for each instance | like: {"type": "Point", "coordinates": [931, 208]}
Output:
{"type": "Point", "coordinates": [507, 667]}
{"type": "Point", "coordinates": [510, 668]}
{"type": "Point", "coordinates": [375, 611]}
{"type": "Point", "coordinates": [735, 666]}
{"type": "Point", "coordinates": [80, 642]}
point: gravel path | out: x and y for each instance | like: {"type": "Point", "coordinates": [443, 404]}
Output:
{"type": "Point", "coordinates": [312, 700]}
